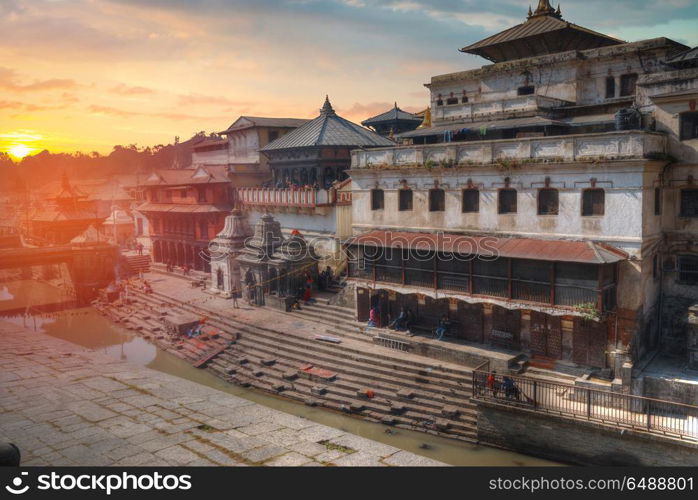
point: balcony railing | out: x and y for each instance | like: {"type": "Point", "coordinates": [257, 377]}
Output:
{"type": "Point", "coordinates": [622, 410]}
{"type": "Point", "coordinates": [300, 198]}
{"type": "Point", "coordinates": [554, 149]}
{"type": "Point", "coordinates": [482, 110]}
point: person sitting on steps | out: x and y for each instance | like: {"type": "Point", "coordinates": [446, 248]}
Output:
{"type": "Point", "coordinates": [441, 328]}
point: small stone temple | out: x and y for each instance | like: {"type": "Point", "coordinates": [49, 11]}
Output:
{"type": "Point", "coordinates": [224, 250]}
{"type": "Point", "coordinates": [278, 268]}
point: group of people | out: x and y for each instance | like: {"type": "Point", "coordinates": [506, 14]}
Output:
{"type": "Point", "coordinates": [280, 184]}
{"type": "Point", "coordinates": [507, 386]}
{"type": "Point", "coordinates": [170, 268]}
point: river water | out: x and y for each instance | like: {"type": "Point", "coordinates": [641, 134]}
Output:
{"type": "Point", "coordinates": [89, 329]}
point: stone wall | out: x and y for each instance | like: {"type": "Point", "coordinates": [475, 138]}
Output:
{"type": "Point", "coordinates": [578, 442]}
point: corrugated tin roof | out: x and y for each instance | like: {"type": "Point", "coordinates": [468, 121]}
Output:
{"type": "Point", "coordinates": [392, 115]}
{"type": "Point", "coordinates": [328, 129]}
{"type": "Point", "coordinates": [532, 121]}
{"type": "Point", "coordinates": [586, 252]}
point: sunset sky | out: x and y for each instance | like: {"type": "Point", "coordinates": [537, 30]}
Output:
{"type": "Point", "coordinates": [88, 74]}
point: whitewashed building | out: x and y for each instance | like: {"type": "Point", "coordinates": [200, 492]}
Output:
{"type": "Point", "coordinates": [572, 158]}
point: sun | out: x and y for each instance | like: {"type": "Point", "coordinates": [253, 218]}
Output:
{"type": "Point", "coordinates": [20, 151]}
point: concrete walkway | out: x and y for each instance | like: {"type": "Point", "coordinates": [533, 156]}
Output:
{"type": "Point", "coordinates": [66, 405]}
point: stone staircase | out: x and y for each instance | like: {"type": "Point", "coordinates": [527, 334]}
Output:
{"type": "Point", "coordinates": [135, 264]}
{"type": "Point", "coordinates": [373, 383]}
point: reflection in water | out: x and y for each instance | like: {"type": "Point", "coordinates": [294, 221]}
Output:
{"type": "Point", "coordinates": [87, 328]}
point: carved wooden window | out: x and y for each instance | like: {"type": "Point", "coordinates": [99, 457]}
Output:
{"type": "Point", "coordinates": [471, 201]}
{"type": "Point", "coordinates": [689, 203]}
{"type": "Point", "coordinates": [628, 84]}
{"type": "Point", "coordinates": [202, 194]}
{"type": "Point", "coordinates": [548, 202]}
{"type": "Point", "coordinates": [507, 201]}
{"type": "Point", "coordinates": [405, 200]}
{"type": "Point", "coordinates": [593, 202]}
{"type": "Point", "coordinates": [437, 200]}
{"type": "Point", "coordinates": [377, 199]}
{"type": "Point", "coordinates": [689, 125]}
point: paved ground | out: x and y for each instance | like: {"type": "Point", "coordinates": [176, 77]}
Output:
{"type": "Point", "coordinates": [66, 405]}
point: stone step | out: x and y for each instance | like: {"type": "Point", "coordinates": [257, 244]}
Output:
{"type": "Point", "coordinates": [462, 421]}
{"type": "Point", "coordinates": [378, 356]}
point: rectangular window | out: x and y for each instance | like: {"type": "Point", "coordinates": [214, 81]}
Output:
{"type": "Point", "coordinates": [689, 125]}
{"type": "Point", "coordinates": [202, 194]}
{"type": "Point", "coordinates": [627, 84]}
{"type": "Point", "coordinates": [273, 135]}
{"type": "Point", "coordinates": [526, 90]}
{"type": "Point", "coordinates": [154, 195]}
{"type": "Point", "coordinates": [437, 200]}
{"type": "Point", "coordinates": [610, 87]}
{"type": "Point", "coordinates": [471, 201]}
{"type": "Point", "coordinates": [182, 193]}
{"type": "Point", "coordinates": [657, 201]}
{"type": "Point", "coordinates": [377, 199]}
{"type": "Point", "coordinates": [688, 269]}
{"type": "Point", "coordinates": [548, 202]}
{"type": "Point", "coordinates": [689, 203]}
{"type": "Point", "coordinates": [405, 200]}
{"type": "Point", "coordinates": [507, 201]}
{"type": "Point", "coordinates": [593, 201]}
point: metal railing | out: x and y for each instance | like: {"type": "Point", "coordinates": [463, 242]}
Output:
{"type": "Point", "coordinates": [624, 410]}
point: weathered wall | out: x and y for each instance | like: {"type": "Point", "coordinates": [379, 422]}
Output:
{"type": "Point", "coordinates": [578, 442]}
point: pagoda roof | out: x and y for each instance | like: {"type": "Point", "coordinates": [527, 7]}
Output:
{"type": "Point", "coordinates": [392, 115]}
{"type": "Point", "coordinates": [544, 32]}
{"type": "Point", "coordinates": [328, 129]}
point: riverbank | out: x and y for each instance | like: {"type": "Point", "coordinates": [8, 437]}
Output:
{"type": "Point", "coordinates": [67, 405]}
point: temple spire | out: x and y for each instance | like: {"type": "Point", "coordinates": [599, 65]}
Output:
{"type": "Point", "coordinates": [545, 9]}
{"type": "Point", "coordinates": [327, 108]}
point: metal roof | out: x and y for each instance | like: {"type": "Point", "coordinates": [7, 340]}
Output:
{"type": "Point", "coordinates": [585, 252]}
{"type": "Point", "coordinates": [684, 58]}
{"type": "Point", "coordinates": [245, 122]}
{"type": "Point", "coordinates": [393, 114]}
{"type": "Point", "coordinates": [182, 208]}
{"type": "Point", "coordinates": [186, 176]}
{"type": "Point", "coordinates": [533, 121]}
{"type": "Point", "coordinates": [328, 129]}
{"type": "Point", "coordinates": [544, 32]}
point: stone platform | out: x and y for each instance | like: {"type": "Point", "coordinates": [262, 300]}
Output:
{"type": "Point", "coordinates": [65, 405]}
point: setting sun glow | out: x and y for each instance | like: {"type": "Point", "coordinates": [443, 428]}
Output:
{"type": "Point", "coordinates": [20, 151]}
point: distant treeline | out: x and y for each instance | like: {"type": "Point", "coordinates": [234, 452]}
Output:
{"type": "Point", "coordinates": [45, 167]}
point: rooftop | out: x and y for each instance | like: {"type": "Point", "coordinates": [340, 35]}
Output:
{"type": "Point", "coordinates": [544, 32]}
{"type": "Point", "coordinates": [393, 114]}
{"type": "Point", "coordinates": [209, 174]}
{"type": "Point", "coordinates": [246, 122]}
{"type": "Point", "coordinates": [328, 129]}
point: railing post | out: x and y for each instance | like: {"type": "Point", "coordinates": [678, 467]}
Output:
{"type": "Point", "coordinates": [589, 403]}
{"type": "Point", "coordinates": [535, 394]}
{"type": "Point", "coordinates": [649, 414]}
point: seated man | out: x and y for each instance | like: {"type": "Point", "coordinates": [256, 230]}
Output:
{"type": "Point", "coordinates": [399, 322]}
{"type": "Point", "coordinates": [441, 328]}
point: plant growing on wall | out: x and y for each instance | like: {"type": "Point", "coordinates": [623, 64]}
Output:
{"type": "Point", "coordinates": [589, 311]}
{"type": "Point", "coordinates": [429, 164]}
